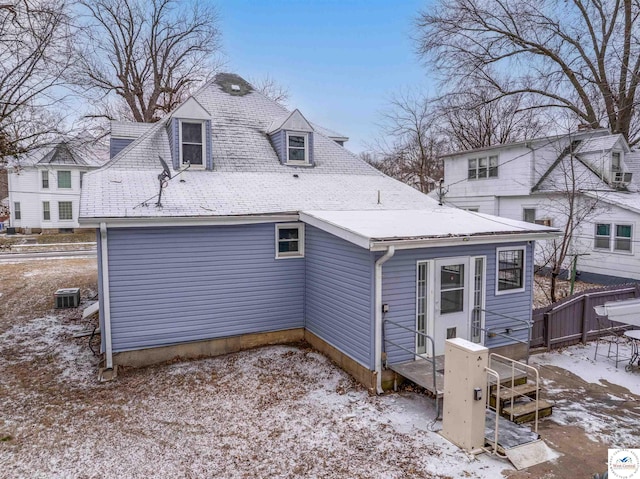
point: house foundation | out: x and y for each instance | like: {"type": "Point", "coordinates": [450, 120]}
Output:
{"type": "Point", "coordinates": [220, 346]}
{"type": "Point", "coordinates": [211, 347]}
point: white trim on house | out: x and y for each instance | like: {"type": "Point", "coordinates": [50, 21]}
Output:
{"type": "Point", "coordinates": [483, 296]}
{"type": "Point", "coordinates": [612, 236]}
{"type": "Point", "coordinates": [523, 273]}
{"type": "Point", "coordinates": [461, 240]}
{"type": "Point", "coordinates": [160, 221]}
{"type": "Point", "coordinates": [203, 145]}
{"type": "Point", "coordinates": [305, 135]}
{"type": "Point", "coordinates": [299, 253]}
{"type": "Point", "coordinates": [376, 230]}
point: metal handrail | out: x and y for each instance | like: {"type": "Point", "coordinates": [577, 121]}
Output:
{"type": "Point", "coordinates": [513, 366]}
{"type": "Point", "coordinates": [431, 360]}
{"type": "Point", "coordinates": [527, 325]}
{"type": "Point", "coordinates": [491, 372]}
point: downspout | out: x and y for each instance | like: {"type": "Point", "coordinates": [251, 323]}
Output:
{"type": "Point", "coordinates": [378, 315]}
{"type": "Point", "coordinates": [104, 252]}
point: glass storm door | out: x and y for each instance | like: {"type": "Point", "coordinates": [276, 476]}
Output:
{"type": "Point", "coordinates": [451, 319]}
{"type": "Point", "coordinates": [422, 304]}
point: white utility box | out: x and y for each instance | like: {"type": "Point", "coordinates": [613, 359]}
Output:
{"type": "Point", "coordinates": [465, 385]}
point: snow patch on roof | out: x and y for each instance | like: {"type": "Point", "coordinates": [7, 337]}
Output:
{"type": "Point", "coordinates": [432, 221]}
{"type": "Point", "coordinates": [600, 143]}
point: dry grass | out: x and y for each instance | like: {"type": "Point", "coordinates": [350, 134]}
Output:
{"type": "Point", "coordinates": [541, 291]}
{"type": "Point", "coordinates": [82, 237]}
{"type": "Point", "coordinates": [26, 289]}
{"type": "Point", "coordinates": [274, 412]}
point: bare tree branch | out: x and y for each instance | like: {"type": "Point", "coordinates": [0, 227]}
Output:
{"type": "Point", "coordinates": [140, 59]}
{"type": "Point", "coordinates": [270, 88]}
{"type": "Point", "coordinates": [579, 55]}
{"type": "Point", "coordinates": [34, 55]}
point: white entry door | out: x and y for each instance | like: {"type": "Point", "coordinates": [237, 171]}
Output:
{"type": "Point", "coordinates": [451, 318]}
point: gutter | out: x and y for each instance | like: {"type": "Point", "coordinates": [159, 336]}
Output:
{"type": "Point", "coordinates": [105, 295]}
{"type": "Point", "coordinates": [378, 315]}
{"type": "Point", "coordinates": [167, 221]}
{"type": "Point", "coordinates": [383, 245]}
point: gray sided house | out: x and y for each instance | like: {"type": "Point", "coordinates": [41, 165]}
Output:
{"type": "Point", "coordinates": [268, 230]}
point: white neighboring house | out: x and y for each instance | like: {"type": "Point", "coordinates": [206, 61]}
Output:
{"type": "Point", "coordinates": [530, 181]}
{"type": "Point", "coordinates": [45, 185]}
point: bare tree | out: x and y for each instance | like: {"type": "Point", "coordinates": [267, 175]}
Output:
{"type": "Point", "coordinates": [272, 89]}
{"type": "Point", "coordinates": [412, 154]}
{"type": "Point", "coordinates": [576, 55]}
{"type": "Point", "coordinates": [33, 57]}
{"type": "Point", "coordinates": [472, 120]}
{"type": "Point", "coordinates": [569, 209]}
{"type": "Point", "coordinates": [141, 58]}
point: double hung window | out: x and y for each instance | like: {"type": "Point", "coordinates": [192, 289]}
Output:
{"type": "Point", "coordinates": [510, 265]}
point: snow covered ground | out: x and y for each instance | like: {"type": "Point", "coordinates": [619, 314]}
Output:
{"type": "Point", "coordinates": [283, 411]}
{"type": "Point", "coordinates": [604, 400]}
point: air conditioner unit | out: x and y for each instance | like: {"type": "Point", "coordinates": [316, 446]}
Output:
{"type": "Point", "coordinates": [67, 298]}
{"type": "Point", "coordinates": [620, 177]}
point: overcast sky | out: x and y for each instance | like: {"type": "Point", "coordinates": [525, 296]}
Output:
{"type": "Point", "coordinates": [340, 59]}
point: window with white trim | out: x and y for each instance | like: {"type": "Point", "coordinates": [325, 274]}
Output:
{"type": "Point", "coordinates": [529, 215]}
{"type": "Point", "coordinates": [615, 162]}
{"type": "Point", "coordinates": [64, 179]}
{"type": "Point", "coordinates": [289, 240]}
{"type": "Point", "coordinates": [45, 179]}
{"type": "Point", "coordinates": [17, 214]}
{"type": "Point", "coordinates": [613, 237]}
{"type": "Point", "coordinates": [483, 167]}
{"type": "Point", "coordinates": [46, 211]}
{"type": "Point", "coordinates": [298, 148]}
{"type": "Point", "coordinates": [510, 265]}
{"type": "Point", "coordinates": [192, 143]}
{"type": "Point", "coordinates": [65, 210]}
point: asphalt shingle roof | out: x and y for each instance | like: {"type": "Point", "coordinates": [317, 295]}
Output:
{"type": "Point", "coordinates": [598, 143]}
{"type": "Point", "coordinates": [248, 178]}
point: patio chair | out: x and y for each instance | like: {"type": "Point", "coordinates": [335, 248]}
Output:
{"type": "Point", "coordinates": [611, 337]}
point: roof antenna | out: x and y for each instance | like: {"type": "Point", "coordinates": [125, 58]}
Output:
{"type": "Point", "coordinates": [163, 177]}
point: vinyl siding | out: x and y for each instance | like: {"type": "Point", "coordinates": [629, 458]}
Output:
{"type": "Point", "coordinates": [278, 141]}
{"type": "Point", "coordinates": [208, 151]}
{"type": "Point", "coordinates": [399, 292]}
{"type": "Point", "coordinates": [174, 142]}
{"type": "Point", "coordinates": [339, 294]}
{"type": "Point", "coordinates": [176, 285]}
{"type": "Point", "coordinates": [116, 145]}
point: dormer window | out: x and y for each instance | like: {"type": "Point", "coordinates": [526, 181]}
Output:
{"type": "Point", "coordinates": [615, 162]}
{"type": "Point", "coordinates": [192, 137]}
{"type": "Point", "coordinates": [297, 148]}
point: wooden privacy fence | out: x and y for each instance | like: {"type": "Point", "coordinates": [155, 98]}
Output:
{"type": "Point", "coordinates": [573, 319]}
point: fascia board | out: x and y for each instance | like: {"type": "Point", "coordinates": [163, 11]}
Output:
{"type": "Point", "coordinates": [185, 221]}
{"type": "Point", "coordinates": [382, 245]}
{"type": "Point", "coordinates": [335, 230]}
